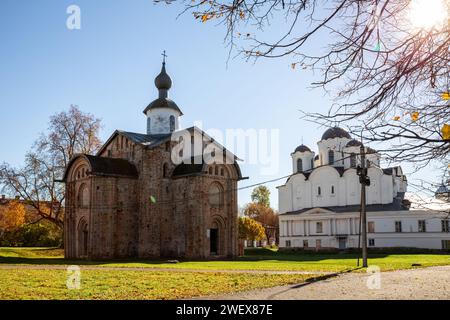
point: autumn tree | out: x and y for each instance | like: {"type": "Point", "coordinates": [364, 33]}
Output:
{"type": "Point", "coordinates": [259, 209]}
{"type": "Point", "coordinates": [261, 195]}
{"type": "Point", "coordinates": [69, 132]}
{"type": "Point", "coordinates": [12, 216]}
{"type": "Point", "coordinates": [385, 63]}
{"type": "Point", "coordinates": [250, 229]}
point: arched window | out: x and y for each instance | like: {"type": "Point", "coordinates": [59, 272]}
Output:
{"type": "Point", "coordinates": [210, 170]}
{"type": "Point", "coordinates": [331, 157]}
{"type": "Point", "coordinates": [319, 191]}
{"type": "Point", "coordinates": [215, 195]}
{"type": "Point", "coordinates": [165, 170]}
{"type": "Point", "coordinates": [312, 164]}
{"type": "Point", "coordinates": [216, 171]}
{"type": "Point", "coordinates": [172, 123]}
{"type": "Point", "coordinates": [352, 160]}
{"type": "Point", "coordinates": [149, 122]}
{"type": "Point", "coordinates": [299, 165]}
{"type": "Point", "coordinates": [83, 196]}
{"type": "Point", "coordinates": [332, 189]}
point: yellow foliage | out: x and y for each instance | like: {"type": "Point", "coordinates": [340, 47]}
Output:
{"type": "Point", "coordinates": [415, 116]}
{"type": "Point", "coordinates": [12, 215]}
{"type": "Point", "coordinates": [250, 229]}
{"type": "Point", "coordinates": [446, 132]}
{"type": "Point", "coordinates": [446, 96]}
{"type": "Point", "coordinates": [396, 118]}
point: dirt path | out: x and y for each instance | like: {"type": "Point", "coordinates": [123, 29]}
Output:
{"type": "Point", "coordinates": [426, 283]}
{"type": "Point", "coordinates": [153, 269]}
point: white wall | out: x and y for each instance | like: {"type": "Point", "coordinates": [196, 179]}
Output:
{"type": "Point", "coordinates": [299, 193]}
{"type": "Point", "coordinates": [303, 227]}
{"type": "Point", "coordinates": [160, 120]}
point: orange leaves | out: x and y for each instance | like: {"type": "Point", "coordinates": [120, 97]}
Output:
{"type": "Point", "coordinates": [12, 215]}
{"type": "Point", "coordinates": [207, 16]}
{"type": "Point", "coordinates": [414, 116]}
{"type": "Point", "coordinates": [445, 132]}
{"type": "Point", "coordinates": [445, 96]}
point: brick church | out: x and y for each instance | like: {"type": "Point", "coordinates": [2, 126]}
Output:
{"type": "Point", "coordinates": [132, 199]}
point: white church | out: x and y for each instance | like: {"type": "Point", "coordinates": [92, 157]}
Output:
{"type": "Point", "coordinates": [319, 204]}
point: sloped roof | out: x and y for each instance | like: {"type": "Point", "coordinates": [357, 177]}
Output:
{"type": "Point", "coordinates": [106, 166]}
{"type": "Point", "coordinates": [146, 140]}
{"type": "Point", "coordinates": [163, 103]}
{"type": "Point", "coordinates": [194, 167]}
{"type": "Point", "coordinates": [354, 143]}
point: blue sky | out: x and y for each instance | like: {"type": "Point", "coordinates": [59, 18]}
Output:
{"type": "Point", "coordinates": [108, 67]}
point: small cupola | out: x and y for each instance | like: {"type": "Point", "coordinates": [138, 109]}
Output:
{"type": "Point", "coordinates": [162, 114]}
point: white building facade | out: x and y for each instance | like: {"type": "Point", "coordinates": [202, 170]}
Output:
{"type": "Point", "coordinates": [319, 204]}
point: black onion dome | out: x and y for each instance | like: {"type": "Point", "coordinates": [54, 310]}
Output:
{"type": "Point", "coordinates": [335, 132]}
{"type": "Point", "coordinates": [302, 148]}
{"type": "Point", "coordinates": [163, 83]}
{"type": "Point", "coordinates": [162, 80]}
{"type": "Point", "coordinates": [354, 143]}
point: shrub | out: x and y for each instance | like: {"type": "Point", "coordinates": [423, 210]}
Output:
{"type": "Point", "coordinates": [32, 235]}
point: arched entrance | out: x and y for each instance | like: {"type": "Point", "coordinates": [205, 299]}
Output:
{"type": "Point", "coordinates": [216, 238]}
{"type": "Point", "coordinates": [83, 235]}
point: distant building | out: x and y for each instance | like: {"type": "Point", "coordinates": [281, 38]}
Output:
{"type": "Point", "coordinates": [132, 200]}
{"type": "Point", "coordinates": [319, 204]}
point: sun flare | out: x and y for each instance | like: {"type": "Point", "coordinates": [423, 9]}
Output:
{"type": "Point", "coordinates": [428, 14]}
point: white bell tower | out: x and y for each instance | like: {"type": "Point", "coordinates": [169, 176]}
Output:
{"type": "Point", "coordinates": [162, 114]}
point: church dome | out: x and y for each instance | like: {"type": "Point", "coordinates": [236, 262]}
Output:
{"type": "Point", "coordinates": [442, 189]}
{"type": "Point", "coordinates": [335, 132]}
{"type": "Point", "coordinates": [163, 83]}
{"type": "Point", "coordinates": [302, 148]}
{"type": "Point", "coordinates": [354, 143]}
{"type": "Point", "coordinates": [162, 80]}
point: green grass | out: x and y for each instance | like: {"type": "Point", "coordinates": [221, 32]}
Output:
{"type": "Point", "coordinates": [126, 285]}
{"type": "Point", "coordinates": [262, 259]}
{"type": "Point", "coordinates": [50, 283]}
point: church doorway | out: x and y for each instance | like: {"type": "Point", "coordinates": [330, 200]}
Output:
{"type": "Point", "coordinates": [214, 241]}
{"type": "Point", "coordinates": [342, 243]}
{"type": "Point", "coordinates": [83, 237]}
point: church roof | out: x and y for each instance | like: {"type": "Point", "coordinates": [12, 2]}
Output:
{"type": "Point", "coordinates": [302, 148]}
{"type": "Point", "coordinates": [442, 189]}
{"type": "Point", "coordinates": [396, 205]}
{"type": "Point", "coordinates": [335, 132]}
{"type": "Point", "coordinates": [354, 143]}
{"type": "Point", "coordinates": [194, 167]}
{"type": "Point", "coordinates": [106, 166]}
{"type": "Point", "coordinates": [146, 140]}
{"type": "Point", "coordinates": [162, 103]}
